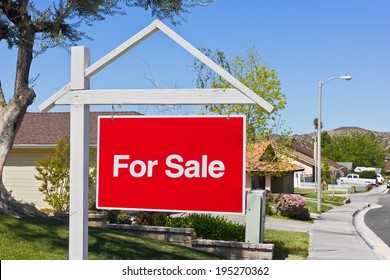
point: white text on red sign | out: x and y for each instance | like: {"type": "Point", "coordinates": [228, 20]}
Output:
{"type": "Point", "coordinates": [175, 167]}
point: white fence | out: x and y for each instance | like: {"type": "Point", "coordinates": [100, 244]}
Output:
{"type": "Point", "coordinates": [334, 187]}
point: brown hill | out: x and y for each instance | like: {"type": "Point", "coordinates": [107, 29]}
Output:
{"type": "Point", "coordinates": [307, 140]}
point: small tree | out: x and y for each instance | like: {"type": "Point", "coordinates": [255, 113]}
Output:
{"type": "Point", "coordinates": [262, 80]}
{"type": "Point", "coordinates": [363, 149]}
{"type": "Point", "coordinates": [369, 174]}
{"type": "Point", "coordinates": [53, 171]}
{"type": "Point", "coordinates": [325, 172]}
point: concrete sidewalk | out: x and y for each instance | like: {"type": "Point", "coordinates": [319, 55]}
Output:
{"type": "Point", "coordinates": [340, 234]}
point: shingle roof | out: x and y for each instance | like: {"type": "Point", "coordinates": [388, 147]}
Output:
{"type": "Point", "coordinates": [48, 128]}
{"type": "Point", "coordinates": [299, 149]}
{"type": "Point", "coordinates": [256, 163]}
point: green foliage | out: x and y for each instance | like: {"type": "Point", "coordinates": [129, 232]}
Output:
{"type": "Point", "coordinates": [92, 183]}
{"type": "Point", "coordinates": [169, 9]}
{"type": "Point", "coordinates": [47, 239]}
{"type": "Point", "coordinates": [325, 138]}
{"type": "Point", "coordinates": [119, 217]}
{"type": "Point", "coordinates": [210, 227]}
{"type": "Point", "coordinates": [59, 23]}
{"type": "Point", "coordinates": [325, 172]}
{"type": "Point", "coordinates": [259, 78]}
{"type": "Point", "coordinates": [361, 148]}
{"type": "Point", "coordinates": [289, 245]}
{"type": "Point", "coordinates": [53, 171]}
{"type": "Point", "coordinates": [315, 123]}
{"type": "Point", "coordinates": [269, 199]}
{"type": "Point", "coordinates": [368, 174]}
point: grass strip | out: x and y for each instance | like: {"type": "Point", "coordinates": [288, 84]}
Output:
{"type": "Point", "coordinates": [47, 239]}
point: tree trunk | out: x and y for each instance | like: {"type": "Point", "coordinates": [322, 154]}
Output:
{"type": "Point", "coordinates": [11, 116]}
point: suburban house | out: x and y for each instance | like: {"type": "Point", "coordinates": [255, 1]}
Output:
{"type": "Point", "coordinates": [349, 166]}
{"type": "Point", "coordinates": [305, 157]}
{"type": "Point", "coordinates": [38, 136]}
{"type": "Point", "coordinates": [268, 170]}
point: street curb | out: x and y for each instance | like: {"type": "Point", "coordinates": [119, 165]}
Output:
{"type": "Point", "coordinates": [380, 248]}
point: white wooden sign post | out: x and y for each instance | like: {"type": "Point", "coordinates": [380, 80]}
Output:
{"type": "Point", "coordinates": [78, 95]}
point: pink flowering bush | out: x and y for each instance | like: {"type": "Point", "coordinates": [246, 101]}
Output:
{"type": "Point", "coordinates": [268, 196]}
{"type": "Point", "coordinates": [290, 205]}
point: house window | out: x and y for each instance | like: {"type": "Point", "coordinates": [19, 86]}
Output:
{"type": "Point", "coordinates": [258, 182]}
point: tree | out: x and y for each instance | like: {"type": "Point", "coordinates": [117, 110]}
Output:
{"type": "Point", "coordinates": [260, 79]}
{"type": "Point", "coordinates": [325, 138]}
{"type": "Point", "coordinates": [361, 148]}
{"type": "Point", "coordinates": [53, 171]}
{"type": "Point", "coordinates": [32, 31]}
{"type": "Point", "coordinates": [315, 123]}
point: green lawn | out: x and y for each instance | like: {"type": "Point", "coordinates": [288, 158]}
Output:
{"type": "Point", "coordinates": [288, 244]}
{"type": "Point", "coordinates": [328, 199]}
{"type": "Point", "coordinates": [47, 239]}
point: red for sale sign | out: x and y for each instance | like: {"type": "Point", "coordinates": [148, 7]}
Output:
{"type": "Point", "coordinates": [173, 164]}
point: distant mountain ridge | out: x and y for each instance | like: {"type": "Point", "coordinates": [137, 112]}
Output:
{"type": "Point", "coordinates": [307, 139]}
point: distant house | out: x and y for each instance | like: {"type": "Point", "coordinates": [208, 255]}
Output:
{"type": "Point", "coordinates": [305, 157]}
{"type": "Point", "coordinates": [38, 136]}
{"type": "Point", "coordinates": [267, 170]}
{"type": "Point", "coordinates": [350, 166]}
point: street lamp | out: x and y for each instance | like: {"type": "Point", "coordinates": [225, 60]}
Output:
{"type": "Point", "coordinates": [318, 177]}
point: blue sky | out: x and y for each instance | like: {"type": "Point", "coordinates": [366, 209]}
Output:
{"type": "Point", "coordinates": [304, 41]}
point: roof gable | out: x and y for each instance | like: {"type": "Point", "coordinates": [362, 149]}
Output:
{"type": "Point", "coordinates": [258, 160]}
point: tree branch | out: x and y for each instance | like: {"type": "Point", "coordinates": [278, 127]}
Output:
{"type": "Point", "coordinates": [64, 14]}
{"type": "Point", "coordinates": [3, 31]}
{"type": "Point", "coordinates": [46, 26]}
{"type": "Point", "coordinates": [14, 11]}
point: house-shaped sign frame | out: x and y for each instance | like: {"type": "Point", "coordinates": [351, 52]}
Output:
{"type": "Point", "coordinates": [79, 96]}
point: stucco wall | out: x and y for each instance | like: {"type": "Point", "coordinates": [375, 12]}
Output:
{"type": "Point", "coordinates": [19, 175]}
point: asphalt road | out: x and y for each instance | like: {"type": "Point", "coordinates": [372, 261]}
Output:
{"type": "Point", "coordinates": [378, 220]}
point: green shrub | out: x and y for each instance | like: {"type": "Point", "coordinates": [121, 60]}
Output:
{"type": "Point", "coordinates": [368, 174]}
{"type": "Point", "coordinates": [269, 199]}
{"type": "Point", "coordinates": [123, 218]}
{"type": "Point", "coordinates": [210, 227]}
{"type": "Point", "coordinates": [92, 186]}
{"type": "Point", "coordinates": [119, 217]}
{"type": "Point", "coordinates": [53, 171]}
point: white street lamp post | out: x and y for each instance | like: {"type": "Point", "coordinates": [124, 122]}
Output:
{"type": "Point", "coordinates": [318, 177]}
